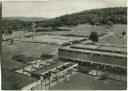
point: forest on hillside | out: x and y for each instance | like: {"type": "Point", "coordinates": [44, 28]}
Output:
{"type": "Point", "coordinates": [104, 16]}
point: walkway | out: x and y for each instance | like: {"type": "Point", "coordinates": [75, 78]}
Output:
{"type": "Point", "coordinates": [109, 33]}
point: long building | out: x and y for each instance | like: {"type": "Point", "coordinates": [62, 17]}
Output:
{"type": "Point", "coordinates": [108, 58]}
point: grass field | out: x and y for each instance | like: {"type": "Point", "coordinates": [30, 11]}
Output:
{"type": "Point", "coordinates": [28, 49]}
{"type": "Point", "coordinates": [116, 38]}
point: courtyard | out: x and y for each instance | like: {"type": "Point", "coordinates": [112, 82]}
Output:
{"type": "Point", "coordinates": [81, 81]}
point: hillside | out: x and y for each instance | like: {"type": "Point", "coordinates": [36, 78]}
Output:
{"type": "Point", "coordinates": [104, 16]}
{"type": "Point", "coordinates": [33, 19]}
{"type": "Point", "coordinates": [16, 23]}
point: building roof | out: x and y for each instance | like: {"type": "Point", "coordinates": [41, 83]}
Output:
{"type": "Point", "coordinates": [40, 71]}
{"type": "Point", "coordinates": [14, 81]}
{"type": "Point", "coordinates": [97, 49]}
{"type": "Point", "coordinates": [99, 46]}
{"type": "Point", "coordinates": [83, 46]}
{"type": "Point", "coordinates": [111, 48]}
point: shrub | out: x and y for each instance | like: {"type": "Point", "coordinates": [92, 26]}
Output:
{"type": "Point", "coordinates": [46, 56]}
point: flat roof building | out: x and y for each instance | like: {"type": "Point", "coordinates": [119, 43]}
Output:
{"type": "Point", "coordinates": [95, 53]}
{"type": "Point", "coordinates": [110, 59]}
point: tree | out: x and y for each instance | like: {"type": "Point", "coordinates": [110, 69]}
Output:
{"type": "Point", "coordinates": [94, 37]}
{"type": "Point", "coordinates": [11, 41]}
{"type": "Point", "coordinates": [123, 33]}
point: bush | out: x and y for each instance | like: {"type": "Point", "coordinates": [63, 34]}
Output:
{"type": "Point", "coordinates": [9, 32]}
{"type": "Point", "coordinates": [22, 58]}
{"type": "Point", "coordinates": [84, 69]}
{"type": "Point", "coordinates": [94, 37]}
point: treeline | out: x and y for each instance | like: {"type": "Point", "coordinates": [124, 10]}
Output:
{"type": "Point", "coordinates": [15, 25]}
{"type": "Point", "coordinates": [104, 16]}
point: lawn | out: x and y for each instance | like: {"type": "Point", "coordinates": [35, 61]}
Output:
{"type": "Point", "coordinates": [15, 81]}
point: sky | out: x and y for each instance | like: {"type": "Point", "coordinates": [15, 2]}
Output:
{"type": "Point", "coordinates": [53, 8]}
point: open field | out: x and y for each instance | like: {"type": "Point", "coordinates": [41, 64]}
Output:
{"type": "Point", "coordinates": [85, 30]}
{"type": "Point", "coordinates": [82, 30]}
{"type": "Point", "coordinates": [28, 49]}
{"type": "Point", "coordinates": [81, 81]}
{"type": "Point", "coordinates": [36, 49]}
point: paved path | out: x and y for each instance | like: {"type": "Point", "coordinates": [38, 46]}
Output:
{"type": "Point", "coordinates": [110, 33]}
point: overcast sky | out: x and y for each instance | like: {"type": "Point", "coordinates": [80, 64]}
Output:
{"type": "Point", "coordinates": [54, 8]}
